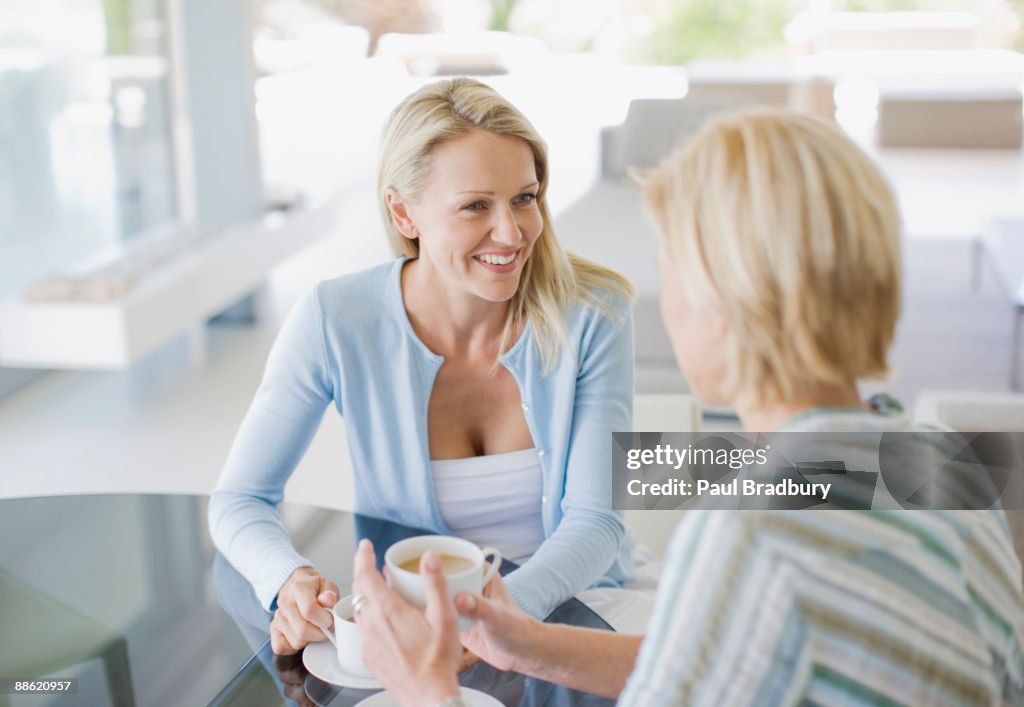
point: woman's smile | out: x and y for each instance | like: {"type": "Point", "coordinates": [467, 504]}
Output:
{"type": "Point", "coordinates": [498, 262]}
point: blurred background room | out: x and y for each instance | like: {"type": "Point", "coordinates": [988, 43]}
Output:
{"type": "Point", "coordinates": [174, 172]}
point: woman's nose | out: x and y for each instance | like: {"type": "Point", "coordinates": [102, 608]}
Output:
{"type": "Point", "coordinates": [506, 228]}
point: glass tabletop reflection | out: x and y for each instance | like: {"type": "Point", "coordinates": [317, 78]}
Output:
{"type": "Point", "coordinates": [267, 677]}
{"type": "Point", "coordinates": [127, 594]}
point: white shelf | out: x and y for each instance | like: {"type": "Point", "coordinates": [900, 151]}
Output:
{"type": "Point", "coordinates": [175, 297]}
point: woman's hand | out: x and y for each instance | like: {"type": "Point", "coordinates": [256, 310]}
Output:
{"type": "Point", "coordinates": [503, 635]}
{"type": "Point", "coordinates": [469, 659]}
{"type": "Point", "coordinates": [415, 653]}
{"type": "Point", "coordinates": [303, 608]}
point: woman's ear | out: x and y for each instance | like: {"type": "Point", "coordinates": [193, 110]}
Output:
{"type": "Point", "coordinates": [400, 214]}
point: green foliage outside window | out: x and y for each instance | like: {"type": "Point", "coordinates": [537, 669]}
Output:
{"type": "Point", "coordinates": [1015, 6]}
{"type": "Point", "coordinates": [688, 29]}
{"type": "Point", "coordinates": [1018, 9]}
{"type": "Point", "coordinates": [117, 15]}
{"type": "Point", "coordinates": [501, 11]}
{"type": "Point", "coordinates": [717, 28]}
{"type": "Point", "coordinates": [879, 5]}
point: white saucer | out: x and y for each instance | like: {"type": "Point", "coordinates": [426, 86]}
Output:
{"type": "Point", "coordinates": [473, 698]}
{"type": "Point", "coordinates": [321, 659]}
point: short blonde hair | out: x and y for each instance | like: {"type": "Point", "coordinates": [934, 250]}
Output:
{"type": "Point", "coordinates": [552, 278]}
{"type": "Point", "coordinates": [782, 225]}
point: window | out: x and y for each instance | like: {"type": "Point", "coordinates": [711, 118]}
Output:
{"type": "Point", "coordinates": [85, 146]}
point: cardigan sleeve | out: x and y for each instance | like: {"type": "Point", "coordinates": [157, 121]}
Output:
{"type": "Point", "coordinates": [588, 537]}
{"type": "Point", "coordinates": [276, 431]}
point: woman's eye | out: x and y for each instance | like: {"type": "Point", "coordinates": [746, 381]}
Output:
{"type": "Point", "coordinates": [526, 198]}
{"type": "Point", "coordinates": [475, 206]}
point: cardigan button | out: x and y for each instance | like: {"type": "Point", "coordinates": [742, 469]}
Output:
{"type": "Point", "coordinates": [540, 452]}
{"type": "Point", "coordinates": [526, 407]}
{"type": "Point", "coordinates": [544, 499]}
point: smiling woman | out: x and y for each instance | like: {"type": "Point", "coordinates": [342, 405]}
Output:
{"type": "Point", "coordinates": [479, 375]}
{"type": "Point", "coordinates": [434, 137]}
{"type": "Point", "coordinates": [476, 223]}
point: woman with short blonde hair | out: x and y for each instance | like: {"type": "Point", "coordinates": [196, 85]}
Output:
{"type": "Point", "coordinates": [784, 227]}
{"type": "Point", "coordinates": [780, 289]}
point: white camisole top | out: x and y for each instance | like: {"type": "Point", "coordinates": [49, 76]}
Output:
{"type": "Point", "coordinates": [493, 500]}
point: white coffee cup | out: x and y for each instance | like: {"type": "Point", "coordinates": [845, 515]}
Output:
{"type": "Point", "coordinates": [347, 640]}
{"type": "Point", "coordinates": [472, 579]}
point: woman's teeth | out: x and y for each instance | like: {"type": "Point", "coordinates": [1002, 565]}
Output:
{"type": "Point", "coordinates": [496, 259]}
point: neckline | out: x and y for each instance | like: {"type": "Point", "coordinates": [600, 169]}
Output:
{"type": "Point", "coordinates": [403, 316]}
{"type": "Point", "coordinates": [486, 465]}
{"type": "Point", "coordinates": [524, 453]}
{"type": "Point", "coordinates": [406, 323]}
{"type": "Point", "coordinates": [815, 416]}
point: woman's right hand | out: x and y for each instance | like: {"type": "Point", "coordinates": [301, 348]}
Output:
{"type": "Point", "coordinates": [303, 608]}
{"type": "Point", "coordinates": [503, 634]}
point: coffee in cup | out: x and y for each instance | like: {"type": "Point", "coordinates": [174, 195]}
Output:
{"type": "Point", "coordinates": [450, 564]}
{"type": "Point", "coordinates": [463, 563]}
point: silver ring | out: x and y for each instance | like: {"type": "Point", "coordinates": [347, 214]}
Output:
{"type": "Point", "coordinates": [358, 602]}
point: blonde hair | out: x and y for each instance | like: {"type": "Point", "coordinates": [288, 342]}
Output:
{"type": "Point", "coordinates": [782, 225]}
{"type": "Point", "coordinates": [552, 278]}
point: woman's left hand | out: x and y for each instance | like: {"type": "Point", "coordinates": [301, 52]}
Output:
{"type": "Point", "coordinates": [415, 653]}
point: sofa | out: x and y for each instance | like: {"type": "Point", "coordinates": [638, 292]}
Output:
{"type": "Point", "coordinates": [608, 223]}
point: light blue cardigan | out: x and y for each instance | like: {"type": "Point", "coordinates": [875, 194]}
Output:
{"type": "Point", "coordinates": [350, 341]}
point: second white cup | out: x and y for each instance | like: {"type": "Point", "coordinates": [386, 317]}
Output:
{"type": "Point", "coordinates": [347, 640]}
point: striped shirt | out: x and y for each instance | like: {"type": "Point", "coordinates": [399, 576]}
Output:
{"type": "Point", "coordinates": [836, 607]}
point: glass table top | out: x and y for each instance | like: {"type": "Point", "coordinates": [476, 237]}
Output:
{"type": "Point", "coordinates": [127, 594]}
